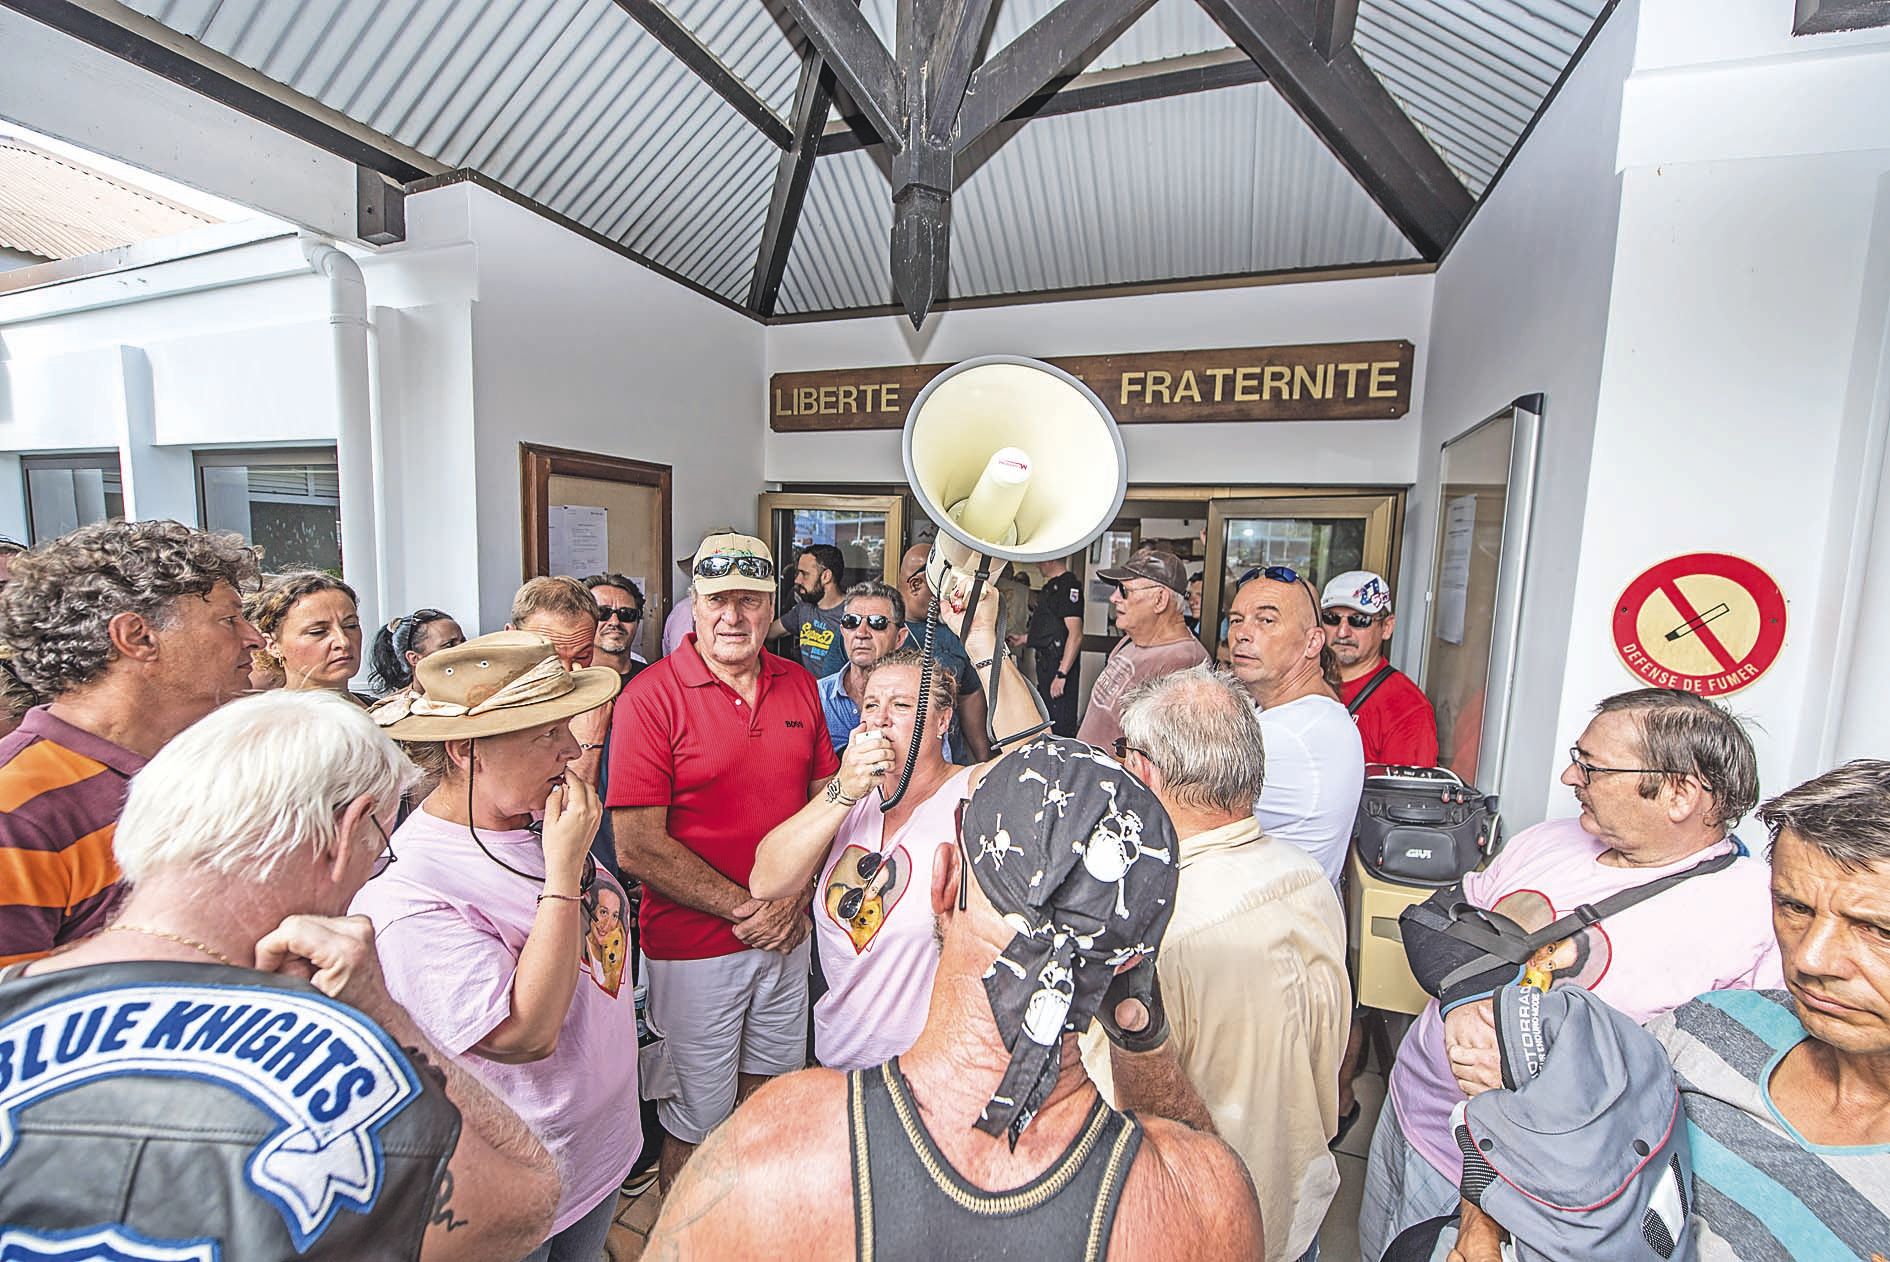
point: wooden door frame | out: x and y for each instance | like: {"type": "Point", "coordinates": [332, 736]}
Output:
{"type": "Point", "coordinates": [1384, 529]}
{"type": "Point", "coordinates": [538, 464]}
{"type": "Point", "coordinates": [891, 503]}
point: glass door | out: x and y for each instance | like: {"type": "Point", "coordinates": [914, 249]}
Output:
{"type": "Point", "coordinates": [866, 529]}
{"type": "Point", "coordinates": [1319, 536]}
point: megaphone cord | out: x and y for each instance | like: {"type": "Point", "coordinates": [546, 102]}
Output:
{"type": "Point", "coordinates": [926, 663]}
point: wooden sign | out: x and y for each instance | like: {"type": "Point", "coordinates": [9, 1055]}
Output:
{"type": "Point", "coordinates": [1340, 381]}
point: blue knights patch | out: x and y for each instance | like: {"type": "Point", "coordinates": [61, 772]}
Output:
{"type": "Point", "coordinates": [100, 1244]}
{"type": "Point", "coordinates": [330, 1077]}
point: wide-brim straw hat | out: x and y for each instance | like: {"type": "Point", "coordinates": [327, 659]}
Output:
{"type": "Point", "coordinates": [504, 682]}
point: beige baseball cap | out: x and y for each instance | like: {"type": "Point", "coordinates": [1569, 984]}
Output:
{"type": "Point", "coordinates": [732, 563]}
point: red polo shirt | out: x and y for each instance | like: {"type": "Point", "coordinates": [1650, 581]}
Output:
{"type": "Point", "coordinates": [728, 773]}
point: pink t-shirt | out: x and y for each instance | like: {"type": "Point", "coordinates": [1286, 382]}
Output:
{"type": "Point", "coordinates": [1128, 665]}
{"type": "Point", "coordinates": [1710, 932]}
{"type": "Point", "coordinates": [449, 924]}
{"type": "Point", "coordinates": [879, 965]}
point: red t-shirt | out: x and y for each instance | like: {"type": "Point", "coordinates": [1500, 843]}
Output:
{"type": "Point", "coordinates": [1396, 722]}
{"type": "Point", "coordinates": [683, 739]}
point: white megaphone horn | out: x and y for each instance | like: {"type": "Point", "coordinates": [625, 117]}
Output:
{"type": "Point", "coordinates": [1016, 461]}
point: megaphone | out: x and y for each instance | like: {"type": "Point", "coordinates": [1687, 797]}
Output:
{"type": "Point", "coordinates": [1017, 461]}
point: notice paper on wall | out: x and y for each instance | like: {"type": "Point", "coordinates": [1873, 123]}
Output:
{"type": "Point", "coordinates": [579, 539]}
{"type": "Point", "coordinates": [1453, 578]}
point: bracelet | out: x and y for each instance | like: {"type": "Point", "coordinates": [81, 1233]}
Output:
{"type": "Point", "coordinates": [838, 795]}
{"type": "Point", "coordinates": [587, 746]}
{"type": "Point", "coordinates": [562, 898]}
{"type": "Point", "coordinates": [987, 661]}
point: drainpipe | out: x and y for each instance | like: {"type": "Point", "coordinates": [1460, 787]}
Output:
{"type": "Point", "coordinates": [357, 444]}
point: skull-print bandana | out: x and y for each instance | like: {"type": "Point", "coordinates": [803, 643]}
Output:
{"type": "Point", "coordinates": [1078, 856]}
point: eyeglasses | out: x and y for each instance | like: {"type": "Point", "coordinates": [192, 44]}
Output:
{"type": "Point", "coordinates": [1333, 618]}
{"type": "Point", "coordinates": [719, 566]}
{"type": "Point", "coordinates": [1589, 770]}
{"type": "Point", "coordinates": [387, 855]}
{"type": "Point", "coordinates": [622, 613]}
{"type": "Point", "coordinates": [1122, 587]}
{"type": "Point", "coordinates": [877, 621]}
{"type": "Point", "coordinates": [1124, 749]}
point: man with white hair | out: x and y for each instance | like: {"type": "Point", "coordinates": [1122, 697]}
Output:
{"type": "Point", "coordinates": [1150, 601]}
{"type": "Point", "coordinates": [1253, 966]}
{"type": "Point", "coordinates": [220, 1072]}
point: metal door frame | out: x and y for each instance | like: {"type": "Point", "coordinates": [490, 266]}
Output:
{"type": "Point", "coordinates": [1384, 526]}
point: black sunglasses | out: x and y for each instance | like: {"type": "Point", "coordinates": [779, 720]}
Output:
{"type": "Point", "coordinates": [622, 613]}
{"type": "Point", "coordinates": [850, 902]}
{"type": "Point", "coordinates": [1333, 618]}
{"type": "Point", "coordinates": [1124, 749]}
{"type": "Point", "coordinates": [877, 621]}
{"type": "Point", "coordinates": [719, 566]}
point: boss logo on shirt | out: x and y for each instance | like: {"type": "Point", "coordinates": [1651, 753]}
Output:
{"type": "Point", "coordinates": [795, 723]}
{"type": "Point", "coordinates": [100, 1244]}
{"type": "Point", "coordinates": [332, 1080]}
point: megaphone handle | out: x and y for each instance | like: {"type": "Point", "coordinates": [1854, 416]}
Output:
{"type": "Point", "coordinates": [999, 743]}
{"type": "Point", "coordinates": [926, 662]}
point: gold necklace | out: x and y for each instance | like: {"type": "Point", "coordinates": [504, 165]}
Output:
{"type": "Point", "coordinates": [178, 938]}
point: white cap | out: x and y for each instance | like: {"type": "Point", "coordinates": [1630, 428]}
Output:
{"type": "Point", "coordinates": [1357, 589]}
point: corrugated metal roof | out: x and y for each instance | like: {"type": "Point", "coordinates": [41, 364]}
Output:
{"type": "Point", "coordinates": [568, 102]}
{"type": "Point", "coordinates": [1471, 73]}
{"type": "Point", "coordinates": [1106, 197]}
{"type": "Point", "coordinates": [572, 104]}
{"type": "Point", "coordinates": [58, 209]}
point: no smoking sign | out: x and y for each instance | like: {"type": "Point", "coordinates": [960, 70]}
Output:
{"type": "Point", "coordinates": [1706, 623]}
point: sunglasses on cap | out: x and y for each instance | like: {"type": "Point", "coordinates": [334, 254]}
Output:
{"type": "Point", "coordinates": [720, 565]}
{"type": "Point", "coordinates": [622, 613]}
{"type": "Point", "coordinates": [1333, 618]}
{"type": "Point", "coordinates": [877, 621]}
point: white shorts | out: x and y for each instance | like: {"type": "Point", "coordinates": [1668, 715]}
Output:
{"type": "Point", "coordinates": [744, 1013]}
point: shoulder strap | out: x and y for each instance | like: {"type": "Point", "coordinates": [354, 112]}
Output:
{"type": "Point", "coordinates": [1500, 938]}
{"type": "Point", "coordinates": [1365, 694]}
{"type": "Point", "coordinates": [1621, 900]}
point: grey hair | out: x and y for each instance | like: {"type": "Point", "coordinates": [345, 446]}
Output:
{"type": "Point", "coordinates": [1685, 735]}
{"type": "Point", "coordinates": [1845, 813]}
{"type": "Point", "coordinates": [58, 605]}
{"type": "Point", "coordinates": [258, 782]}
{"type": "Point", "coordinates": [1197, 726]}
{"type": "Point", "coordinates": [873, 589]}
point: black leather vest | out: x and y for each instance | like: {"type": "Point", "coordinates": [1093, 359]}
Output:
{"type": "Point", "coordinates": [196, 1112]}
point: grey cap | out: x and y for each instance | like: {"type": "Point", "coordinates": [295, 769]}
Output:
{"type": "Point", "coordinates": [1584, 1156]}
{"type": "Point", "coordinates": [1153, 564]}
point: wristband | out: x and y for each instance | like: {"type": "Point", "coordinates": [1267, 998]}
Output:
{"type": "Point", "coordinates": [1140, 982]}
{"type": "Point", "coordinates": [1063, 674]}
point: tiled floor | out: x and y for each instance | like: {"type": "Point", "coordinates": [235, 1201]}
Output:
{"type": "Point", "coordinates": [635, 1216]}
{"type": "Point", "coordinates": [1338, 1240]}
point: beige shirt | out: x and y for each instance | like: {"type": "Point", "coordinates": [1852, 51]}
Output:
{"type": "Point", "coordinates": [1253, 978]}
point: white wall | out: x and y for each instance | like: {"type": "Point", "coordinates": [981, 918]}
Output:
{"type": "Point", "coordinates": [1520, 306]}
{"type": "Point", "coordinates": [1316, 452]}
{"type": "Point", "coordinates": [577, 347]}
{"type": "Point", "coordinates": [1745, 379]}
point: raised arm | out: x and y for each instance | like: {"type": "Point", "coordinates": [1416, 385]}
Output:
{"type": "Point", "coordinates": [500, 1189]}
{"type": "Point", "coordinates": [792, 851]}
{"type": "Point", "coordinates": [547, 973]}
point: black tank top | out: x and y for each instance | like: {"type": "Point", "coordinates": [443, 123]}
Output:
{"type": "Point", "coordinates": [909, 1203]}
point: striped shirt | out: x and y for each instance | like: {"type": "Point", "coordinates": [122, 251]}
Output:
{"type": "Point", "coordinates": [61, 792]}
{"type": "Point", "coordinates": [1761, 1190]}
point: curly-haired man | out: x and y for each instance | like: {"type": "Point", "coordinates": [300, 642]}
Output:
{"type": "Point", "coordinates": [134, 631]}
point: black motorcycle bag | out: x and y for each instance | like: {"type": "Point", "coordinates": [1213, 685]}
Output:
{"type": "Point", "coordinates": [1423, 826]}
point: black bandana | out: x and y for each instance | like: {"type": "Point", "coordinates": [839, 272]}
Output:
{"type": "Point", "coordinates": [1079, 857]}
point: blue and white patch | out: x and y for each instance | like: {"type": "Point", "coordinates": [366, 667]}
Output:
{"type": "Point", "coordinates": [331, 1077]}
{"type": "Point", "coordinates": [100, 1244]}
